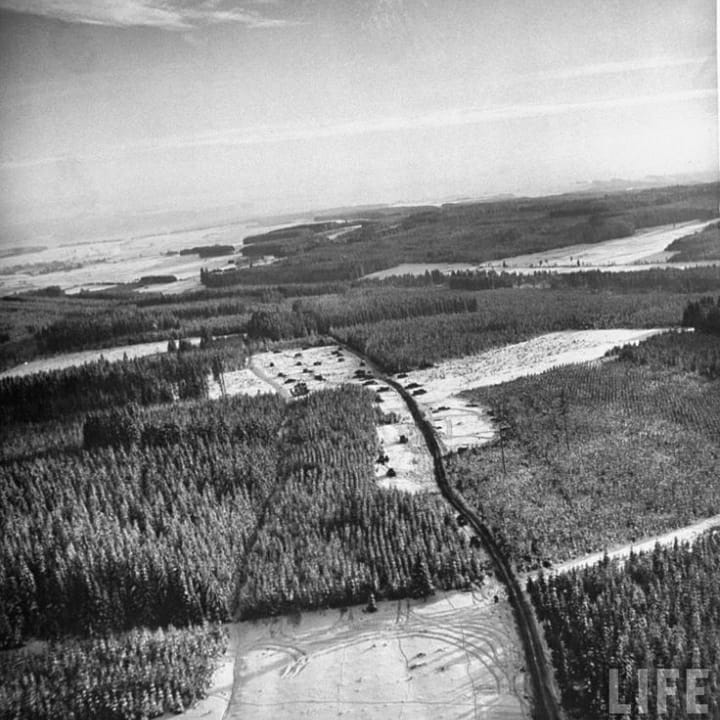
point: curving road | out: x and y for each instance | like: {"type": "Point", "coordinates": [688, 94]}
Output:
{"type": "Point", "coordinates": [546, 703]}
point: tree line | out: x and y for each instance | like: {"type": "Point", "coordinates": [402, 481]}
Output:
{"type": "Point", "coordinates": [102, 385]}
{"type": "Point", "coordinates": [703, 315]}
{"type": "Point", "coordinates": [693, 280]}
{"type": "Point", "coordinates": [655, 610]}
{"type": "Point", "coordinates": [136, 675]}
{"type": "Point", "coordinates": [503, 317]}
{"type": "Point", "coordinates": [695, 352]}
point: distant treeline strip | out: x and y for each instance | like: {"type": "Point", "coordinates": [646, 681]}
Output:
{"type": "Point", "coordinates": [697, 280]}
{"type": "Point", "coordinates": [318, 315]}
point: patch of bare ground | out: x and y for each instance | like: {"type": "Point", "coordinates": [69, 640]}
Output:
{"type": "Point", "coordinates": [454, 655]}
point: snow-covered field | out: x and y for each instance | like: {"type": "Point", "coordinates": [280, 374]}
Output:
{"type": "Point", "coordinates": [457, 422]}
{"type": "Point", "coordinates": [115, 261]}
{"type": "Point", "coordinates": [641, 251]}
{"type": "Point", "coordinates": [80, 358]}
{"type": "Point", "coordinates": [453, 656]}
{"type": "Point", "coordinates": [239, 382]}
{"type": "Point", "coordinates": [105, 263]}
{"type": "Point", "coordinates": [631, 253]}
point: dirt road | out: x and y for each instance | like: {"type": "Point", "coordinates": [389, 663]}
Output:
{"type": "Point", "coordinates": [546, 704]}
{"type": "Point", "coordinates": [683, 534]}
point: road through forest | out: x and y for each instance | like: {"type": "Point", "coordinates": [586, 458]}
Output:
{"type": "Point", "coordinates": [546, 704]}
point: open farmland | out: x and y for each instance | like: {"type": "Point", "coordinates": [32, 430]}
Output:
{"type": "Point", "coordinates": [84, 265]}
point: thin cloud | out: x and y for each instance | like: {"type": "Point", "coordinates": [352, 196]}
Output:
{"type": "Point", "coordinates": [442, 119]}
{"type": "Point", "coordinates": [165, 14]}
{"type": "Point", "coordinates": [622, 66]}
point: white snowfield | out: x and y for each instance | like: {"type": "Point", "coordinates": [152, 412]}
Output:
{"type": "Point", "coordinates": [458, 423]}
{"type": "Point", "coordinates": [60, 362]}
{"type": "Point", "coordinates": [642, 251]}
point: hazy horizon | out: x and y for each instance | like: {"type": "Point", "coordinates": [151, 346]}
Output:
{"type": "Point", "coordinates": [121, 109]}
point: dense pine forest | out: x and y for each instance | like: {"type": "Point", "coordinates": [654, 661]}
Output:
{"type": "Point", "coordinates": [704, 245]}
{"type": "Point", "coordinates": [693, 352]}
{"type": "Point", "coordinates": [205, 511]}
{"type": "Point", "coordinates": [594, 455]}
{"type": "Point", "coordinates": [102, 384]}
{"type": "Point", "coordinates": [469, 232]}
{"type": "Point", "coordinates": [654, 610]}
{"type": "Point", "coordinates": [135, 675]}
{"type": "Point", "coordinates": [506, 316]}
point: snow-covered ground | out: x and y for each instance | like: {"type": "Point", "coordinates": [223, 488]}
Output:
{"type": "Point", "coordinates": [645, 247]}
{"type": "Point", "coordinates": [641, 251]}
{"type": "Point", "coordinates": [453, 656]}
{"type": "Point", "coordinates": [112, 354]}
{"type": "Point", "coordinates": [458, 423]}
{"type": "Point", "coordinates": [239, 382]}
{"type": "Point", "coordinates": [105, 263]}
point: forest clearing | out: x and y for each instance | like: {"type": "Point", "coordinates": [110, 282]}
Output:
{"type": "Point", "coordinates": [451, 656]}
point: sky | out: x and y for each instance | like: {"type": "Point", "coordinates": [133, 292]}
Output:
{"type": "Point", "coordinates": [116, 108]}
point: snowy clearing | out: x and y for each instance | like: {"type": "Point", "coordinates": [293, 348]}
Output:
{"type": "Point", "coordinates": [628, 253]}
{"type": "Point", "coordinates": [239, 382]}
{"type": "Point", "coordinates": [460, 424]}
{"type": "Point", "coordinates": [112, 354]}
{"type": "Point", "coordinates": [642, 251]}
{"type": "Point", "coordinates": [452, 656]}
{"type": "Point", "coordinates": [408, 466]}
{"type": "Point", "coordinates": [419, 269]}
